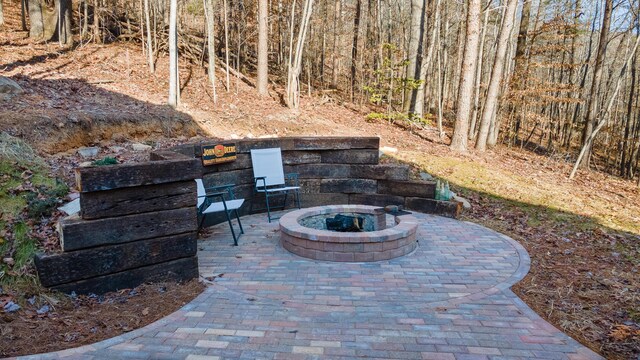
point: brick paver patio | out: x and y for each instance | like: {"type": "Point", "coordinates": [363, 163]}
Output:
{"type": "Point", "coordinates": [449, 299]}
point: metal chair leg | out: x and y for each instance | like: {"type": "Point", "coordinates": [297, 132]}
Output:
{"type": "Point", "coordinates": [201, 222]}
{"type": "Point", "coordinates": [268, 209]}
{"type": "Point", "coordinates": [239, 223]}
{"type": "Point", "coordinates": [233, 233]}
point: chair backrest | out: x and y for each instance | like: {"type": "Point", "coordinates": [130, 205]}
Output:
{"type": "Point", "coordinates": [268, 163]}
{"type": "Point", "coordinates": [201, 191]}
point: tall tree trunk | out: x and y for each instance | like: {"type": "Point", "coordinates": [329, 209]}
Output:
{"type": "Point", "coordinates": [467, 76]}
{"type": "Point", "coordinates": [36, 19]}
{"type": "Point", "coordinates": [263, 47]}
{"type": "Point", "coordinates": [519, 75]}
{"type": "Point", "coordinates": [415, 52]}
{"type": "Point", "coordinates": [425, 63]}
{"type": "Point", "coordinates": [226, 42]}
{"type": "Point", "coordinates": [354, 48]}
{"type": "Point", "coordinates": [97, 35]}
{"type": "Point", "coordinates": [85, 18]}
{"type": "Point", "coordinates": [24, 8]}
{"type": "Point", "coordinates": [491, 100]}
{"type": "Point", "coordinates": [295, 60]}
{"type": "Point", "coordinates": [624, 168]}
{"type": "Point", "coordinates": [1, 14]}
{"type": "Point", "coordinates": [147, 19]}
{"type": "Point", "coordinates": [476, 96]}
{"type": "Point", "coordinates": [592, 101]}
{"type": "Point", "coordinates": [174, 97]}
{"type": "Point", "coordinates": [334, 53]}
{"type": "Point", "coordinates": [63, 27]}
{"type": "Point", "coordinates": [211, 46]}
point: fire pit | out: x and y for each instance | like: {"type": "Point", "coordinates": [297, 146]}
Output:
{"type": "Point", "coordinates": [365, 235]}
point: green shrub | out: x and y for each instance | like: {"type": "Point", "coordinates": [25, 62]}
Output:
{"type": "Point", "coordinates": [105, 161]}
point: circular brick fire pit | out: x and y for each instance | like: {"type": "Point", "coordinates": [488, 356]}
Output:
{"type": "Point", "coordinates": [382, 243]}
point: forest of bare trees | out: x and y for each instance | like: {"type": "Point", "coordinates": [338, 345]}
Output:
{"type": "Point", "coordinates": [559, 77]}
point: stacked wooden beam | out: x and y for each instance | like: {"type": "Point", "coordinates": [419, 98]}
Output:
{"type": "Point", "coordinates": [137, 223]}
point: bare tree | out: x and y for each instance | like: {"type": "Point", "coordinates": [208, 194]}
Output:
{"type": "Point", "coordinates": [226, 42]}
{"type": "Point", "coordinates": [415, 51]}
{"type": "Point", "coordinates": [174, 97]}
{"type": "Point", "coordinates": [295, 59]}
{"type": "Point", "coordinates": [592, 100]}
{"type": "Point", "coordinates": [334, 53]}
{"type": "Point", "coordinates": [63, 26]}
{"type": "Point", "coordinates": [211, 52]}
{"type": "Point", "coordinates": [467, 77]}
{"type": "Point", "coordinates": [354, 47]}
{"type": "Point", "coordinates": [149, 43]}
{"type": "Point", "coordinates": [263, 47]}
{"type": "Point", "coordinates": [603, 117]}
{"type": "Point", "coordinates": [491, 99]}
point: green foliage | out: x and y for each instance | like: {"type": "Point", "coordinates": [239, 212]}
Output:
{"type": "Point", "coordinates": [389, 85]}
{"type": "Point", "coordinates": [105, 161]}
{"type": "Point", "coordinates": [27, 191]}
{"type": "Point", "coordinates": [195, 7]}
{"type": "Point", "coordinates": [45, 200]}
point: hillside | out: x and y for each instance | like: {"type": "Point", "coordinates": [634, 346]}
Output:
{"type": "Point", "coordinates": [583, 235]}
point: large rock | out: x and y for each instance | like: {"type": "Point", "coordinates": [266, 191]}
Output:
{"type": "Point", "coordinates": [9, 88]}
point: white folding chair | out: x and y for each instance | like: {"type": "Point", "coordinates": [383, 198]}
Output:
{"type": "Point", "coordinates": [270, 178]}
{"type": "Point", "coordinates": [207, 204]}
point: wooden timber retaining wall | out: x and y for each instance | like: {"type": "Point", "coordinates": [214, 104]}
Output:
{"type": "Point", "coordinates": [138, 222]}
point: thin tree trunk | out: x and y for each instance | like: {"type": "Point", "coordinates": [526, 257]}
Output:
{"type": "Point", "coordinates": [491, 100]}
{"type": "Point", "coordinates": [425, 64]}
{"type": "Point", "coordinates": [293, 86]}
{"type": "Point", "coordinates": [211, 46]}
{"type": "Point", "coordinates": [627, 128]}
{"type": "Point", "coordinates": [97, 36]}
{"type": "Point", "coordinates": [476, 96]}
{"type": "Point", "coordinates": [226, 43]}
{"type": "Point", "coordinates": [603, 118]}
{"type": "Point", "coordinates": [592, 108]}
{"type": "Point", "coordinates": [354, 48]}
{"type": "Point", "coordinates": [85, 17]}
{"type": "Point", "coordinates": [174, 97]}
{"type": "Point", "coordinates": [519, 76]}
{"type": "Point", "coordinates": [63, 32]}
{"type": "Point", "coordinates": [415, 50]}
{"type": "Point", "coordinates": [1, 14]}
{"type": "Point", "coordinates": [149, 43]}
{"type": "Point", "coordinates": [467, 77]}
{"type": "Point", "coordinates": [334, 52]}
{"type": "Point", "coordinates": [24, 7]}
{"type": "Point", "coordinates": [263, 47]}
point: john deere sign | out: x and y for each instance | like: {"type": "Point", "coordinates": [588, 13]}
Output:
{"type": "Point", "coordinates": [217, 154]}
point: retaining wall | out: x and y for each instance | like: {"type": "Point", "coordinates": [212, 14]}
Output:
{"type": "Point", "coordinates": [138, 222]}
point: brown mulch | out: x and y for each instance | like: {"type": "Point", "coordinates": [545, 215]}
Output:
{"type": "Point", "coordinates": [75, 321]}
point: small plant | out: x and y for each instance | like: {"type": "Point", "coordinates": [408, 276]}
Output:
{"type": "Point", "coordinates": [389, 87]}
{"type": "Point", "coordinates": [44, 201]}
{"type": "Point", "coordinates": [105, 161]}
